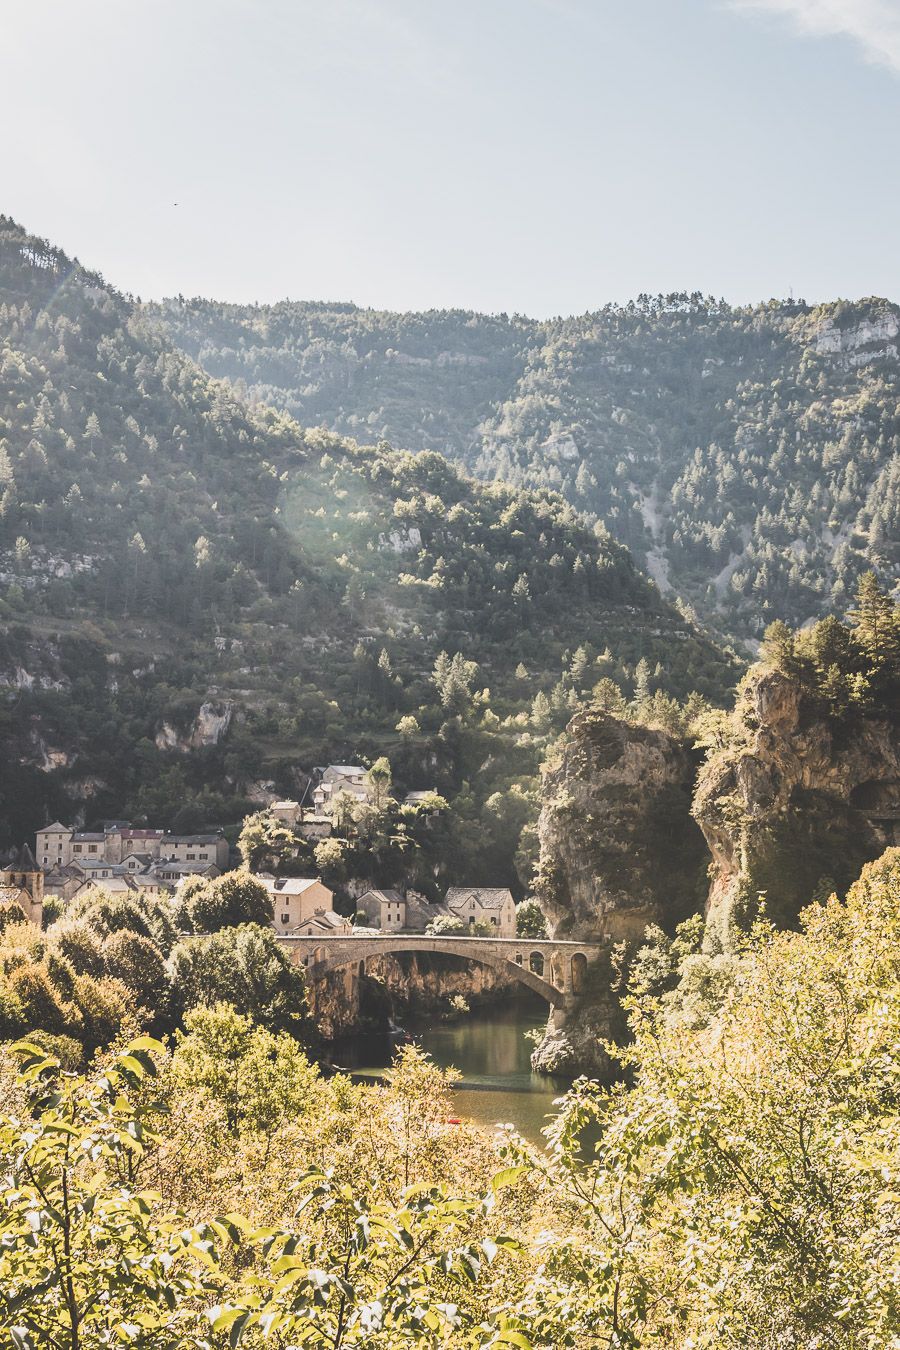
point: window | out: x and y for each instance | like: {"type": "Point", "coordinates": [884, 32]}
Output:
{"type": "Point", "coordinates": [201, 855]}
{"type": "Point", "coordinates": [45, 859]}
{"type": "Point", "coordinates": [191, 857]}
{"type": "Point", "coordinates": [92, 848]}
{"type": "Point", "coordinates": [493, 920]}
{"type": "Point", "coordinates": [78, 848]}
{"type": "Point", "coordinates": [285, 918]}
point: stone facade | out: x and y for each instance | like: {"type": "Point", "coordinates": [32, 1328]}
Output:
{"type": "Point", "coordinates": [492, 906]}
{"type": "Point", "coordinates": [337, 778]}
{"type": "Point", "coordinates": [383, 909]}
{"type": "Point", "coordinates": [22, 884]}
{"type": "Point", "coordinates": [304, 905]}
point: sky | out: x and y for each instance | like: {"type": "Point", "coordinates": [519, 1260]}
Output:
{"type": "Point", "coordinates": [533, 156]}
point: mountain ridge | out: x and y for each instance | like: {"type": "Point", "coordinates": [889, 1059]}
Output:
{"type": "Point", "coordinates": [748, 456]}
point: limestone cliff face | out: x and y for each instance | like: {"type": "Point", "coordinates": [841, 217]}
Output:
{"type": "Point", "coordinates": [871, 339]}
{"type": "Point", "coordinates": [619, 849]}
{"type": "Point", "coordinates": [577, 1047]}
{"type": "Point", "coordinates": [419, 982]}
{"type": "Point", "coordinates": [797, 803]}
{"type": "Point", "coordinates": [209, 727]}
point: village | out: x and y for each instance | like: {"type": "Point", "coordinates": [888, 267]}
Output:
{"type": "Point", "coordinates": [124, 859]}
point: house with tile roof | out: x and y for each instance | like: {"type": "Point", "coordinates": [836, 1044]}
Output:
{"type": "Point", "coordinates": [300, 901]}
{"type": "Point", "coordinates": [337, 778]}
{"type": "Point", "coordinates": [62, 881]}
{"type": "Point", "coordinates": [384, 910]}
{"type": "Point", "coordinates": [492, 906]}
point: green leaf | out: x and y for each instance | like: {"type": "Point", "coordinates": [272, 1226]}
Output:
{"type": "Point", "coordinates": [508, 1177]}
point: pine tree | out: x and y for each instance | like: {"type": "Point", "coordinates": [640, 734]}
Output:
{"type": "Point", "coordinates": [641, 701]}
{"type": "Point", "coordinates": [778, 647]}
{"type": "Point", "coordinates": [92, 430]}
{"type": "Point", "coordinates": [875, 623]}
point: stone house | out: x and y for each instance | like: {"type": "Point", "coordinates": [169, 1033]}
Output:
{"type": "Point", "coordinates": [199, 848]}
{"type": "Point", "coordinates": [137, 862]}
{"type": "Point", "coordinates": [419, 913]}
{"type": "Point", "coordinates": [62, 882]}
{"type": "Point", "coordinates": [314, 826]}
{"type": "Point", "coordinates": [350, 778]}
{"type": "Point", "coordinates": [420, 796]}
{"type": "Point", "coordinates": [122, 839]}
{"type": "Point", "coordinates": [54, 845]}
{"type": "Point", "coordinates": [88, 846]}
{"type": "Point", "coordinates": [384, 910]}
{"type": "Point", "coordinates": [95, 871]}
{"type": "Point", "coordinates": [22, 884]}
{"type": "Point", "coordinates": [328, 924]}
{"type": "Point", "coordinates": [490, 905]}
{"type": "Point", "coordinates": [171, 871]}
{"type": "Point", "coordinates": [117, 884]}
{"type": "Point", "coordinates": [288, 812]}
{"type": "Point", "coordinates": [297, 901]}
{"type": "Point", "coordinates": [59, 845]}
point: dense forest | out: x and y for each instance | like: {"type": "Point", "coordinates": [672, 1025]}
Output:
{"type": "Point", "coordinates": [173, 560]}
{"type": "Point", "coordinates": [746, 456]}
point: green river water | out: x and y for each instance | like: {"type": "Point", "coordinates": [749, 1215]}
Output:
{"type": "Point", "coordinates": [490, 1049]}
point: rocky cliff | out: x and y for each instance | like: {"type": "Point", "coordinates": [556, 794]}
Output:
{"type": "Point", "coordinates": [618, 846]}
{"type": "Point", "coordinates": [796, 805]}
{"type": "Point", "coordinates": [619, 850]}
{"type": "Point", "coordinates": [791, 808]}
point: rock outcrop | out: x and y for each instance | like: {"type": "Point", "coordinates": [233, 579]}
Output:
{"type": "Point", "coordinates": [209, 727]}
{"type": "Point", "coordinates": [619, 849]}
{"type": "Point", "coordinates": [870, 339]}
{"type": "Point", "coordinates": [578, 1047]}
{"type": "Point", "coordinates": [796, 806]}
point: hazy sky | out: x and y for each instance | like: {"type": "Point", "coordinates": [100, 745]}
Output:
{"type": "Point", "coordinates": [543, 156]}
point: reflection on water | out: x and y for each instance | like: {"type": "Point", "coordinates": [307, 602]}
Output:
{"type": "Point", "coordinates": [490, 1049]}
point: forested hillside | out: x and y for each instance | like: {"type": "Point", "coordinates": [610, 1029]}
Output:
{"type": "Point", "coordinates": [747, 457]}
{"type": "Point", "coordinates": [200, 601]}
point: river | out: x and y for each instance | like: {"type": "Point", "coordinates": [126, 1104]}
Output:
{"type": "Point", "coordinates": [490, 1049]}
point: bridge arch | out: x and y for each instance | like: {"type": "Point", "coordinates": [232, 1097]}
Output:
{"type": "Point", "coordinates": [556, 970]}
{"type": "Point", "coordinates": [354, 952]}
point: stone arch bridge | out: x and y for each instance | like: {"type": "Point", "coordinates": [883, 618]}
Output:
{"type": "Point", "coordinates": [555, 970]}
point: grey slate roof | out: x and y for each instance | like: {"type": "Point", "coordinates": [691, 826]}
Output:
{"type": "Point", "coordinates": [390, 897]}
{"type": "Point", "coordinates": [487, 897]}
{"type": "Point", "coordinates": [191, 838]}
